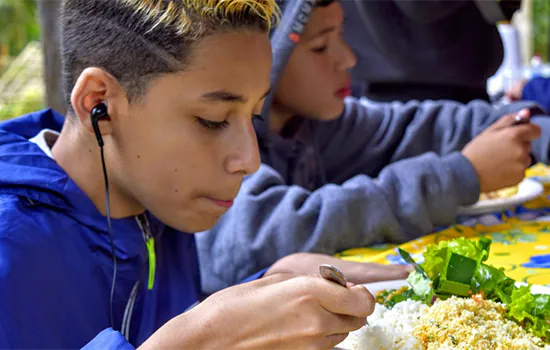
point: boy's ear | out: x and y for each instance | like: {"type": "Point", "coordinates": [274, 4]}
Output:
{"type": "Point", "coordinates": [95, 86]}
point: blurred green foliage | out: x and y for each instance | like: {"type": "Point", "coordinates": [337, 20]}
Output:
{"type": "Point", "coordinates": [18, 25]}
{"type": "Point", "coordinates": [541, 27]}
{"type": "Point", "coordinates": [30, 100]}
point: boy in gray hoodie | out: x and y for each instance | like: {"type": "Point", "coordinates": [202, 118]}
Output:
{"type": "Point", "coordinates": [332, 181]}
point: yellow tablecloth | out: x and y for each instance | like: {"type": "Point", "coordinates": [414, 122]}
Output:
{"type": "Point", "coordinates": [521, 243]}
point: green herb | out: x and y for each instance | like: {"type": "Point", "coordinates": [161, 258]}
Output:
{"type": "Point", "coordinates": [453, 339]}
{"type": "Point", "coordinates": [391, 297]}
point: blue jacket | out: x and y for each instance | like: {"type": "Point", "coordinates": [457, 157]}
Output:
{"type": "Point", "coordinates": [538, 89]}
{"type": "Point", "coordinates": [55, 257]}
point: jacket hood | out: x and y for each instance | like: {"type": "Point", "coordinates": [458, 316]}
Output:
{"type": "Point", "coordinates": [295, 15]}
{"type": "Point", "coordinates": [27, 172]}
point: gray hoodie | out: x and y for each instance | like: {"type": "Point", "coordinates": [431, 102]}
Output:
{"type": "Point", "coordinates": [384, 173]}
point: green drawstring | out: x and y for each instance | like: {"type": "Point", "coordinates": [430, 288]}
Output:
{"type": "Point", "coordinates": [152, 262]}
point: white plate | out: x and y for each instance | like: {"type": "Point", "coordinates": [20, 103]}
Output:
{"type": "Point", "coordinates": [379, 286]}
{"type": "Point", "coordinates": [528, 189]}
{"type": "Point", "coordinates": [542, 179]}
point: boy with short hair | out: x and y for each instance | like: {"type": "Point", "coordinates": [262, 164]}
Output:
{"type": "Point", "coordinates": [158, 138]}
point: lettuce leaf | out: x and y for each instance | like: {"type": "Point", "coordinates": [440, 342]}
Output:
{"type": "Point", "coordinates": [436, 257]}
{"type": "Point", "coordinates": [452, 265]}
{"type": "Point", "coordinates": [531, 311]}
{"type": "Point", "coordinates": [494, 284]}
{"type": "Point", "coordinates": [419, 284]}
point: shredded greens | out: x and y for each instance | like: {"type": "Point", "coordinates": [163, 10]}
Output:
{"type": "Point", "coordinates": [457, 268]}
{"type": "Point", "coordinates": [389, 298]}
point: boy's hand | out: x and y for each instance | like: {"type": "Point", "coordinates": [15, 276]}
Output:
{"type": "Point", "coordinates": [283, 311]}
{"type": "Point", "coordinates": [501, 153]}
{"type": "Point", "coordinates": [355, 272]}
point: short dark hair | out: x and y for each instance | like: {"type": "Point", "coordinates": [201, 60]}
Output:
{"type": "Point", "coordinates": [136, 40]}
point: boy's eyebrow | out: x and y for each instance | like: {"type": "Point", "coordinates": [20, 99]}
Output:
{"type": "Point", "coordinates": [321, 32]}
{"type": "Point", "coordinates": [227, 96]}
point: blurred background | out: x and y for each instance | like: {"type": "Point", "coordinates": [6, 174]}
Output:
{"type": "Point", "coordinates": [30, 65]}
{"type": "Point", "coordinates": [540, 16]}
{"type": "Point", "coordinates": [29, 57]}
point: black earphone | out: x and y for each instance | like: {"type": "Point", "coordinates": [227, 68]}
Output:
{"type": "Point", "coordinates": [98, 113]}
{"type": "Point", "coordinates": [101, 112]}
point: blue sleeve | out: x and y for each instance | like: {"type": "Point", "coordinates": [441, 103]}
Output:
{"type": "Point", "coordinates": [538, 90]}
{"type": "Point", "coordinates": [109, 339]}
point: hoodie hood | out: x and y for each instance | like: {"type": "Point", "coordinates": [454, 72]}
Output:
{"type": "Point", "coordinates": [295, 15]}
{"type": "Point", "coordinates": [24, 166]}
{"type": "Point", "coordinates": [27, 172]}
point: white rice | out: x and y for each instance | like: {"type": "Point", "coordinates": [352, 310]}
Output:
{"type": "Point", "coordinates": [455, 323]}
{"type": "Point", "coordinates": [388, 329]}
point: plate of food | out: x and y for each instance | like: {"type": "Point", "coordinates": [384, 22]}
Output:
{"type": "Point", "coordinates": [454, 300]}
{"type": "Point", "coordinates": [505, 198]}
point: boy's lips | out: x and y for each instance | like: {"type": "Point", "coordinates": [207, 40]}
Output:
{"type": "Point", "coordinates": [343, 92]}
{"type": "Point", "coordinates": [224, 204]}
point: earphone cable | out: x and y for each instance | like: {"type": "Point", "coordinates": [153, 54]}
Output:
{"type": "Point", "coordinates": [112, 240]}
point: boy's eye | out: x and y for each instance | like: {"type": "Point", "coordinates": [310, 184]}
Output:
{"type": "Point", "coordinates": [319, 49]}
{"type": "Point", "coordinates": [220, 125]}
{"type": "Point", "coordinates": [212, 125]}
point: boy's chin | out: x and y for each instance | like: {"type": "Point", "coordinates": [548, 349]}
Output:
{"type": "Point", "coordinates": [334, 111]}
{"type": "Point", "coordinates": [203, 225]}
{"type": "Point", "coordinates": [193, 224]}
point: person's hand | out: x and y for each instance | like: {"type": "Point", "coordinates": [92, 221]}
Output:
{"type": "Point", "coordinates": [515, 93]}
{"type": "Point", "coordinates": [355, 272]}
{"type": "Point", "coordinates": [501, 153]}
{"type": "Point", "coordinates": [282, 311]}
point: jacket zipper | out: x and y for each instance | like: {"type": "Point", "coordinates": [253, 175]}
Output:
{"type": "Point", "coordinates": [149, 240]}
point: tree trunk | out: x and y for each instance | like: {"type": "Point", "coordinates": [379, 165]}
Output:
{"type": "Point", "coordinates": [51, 44]}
